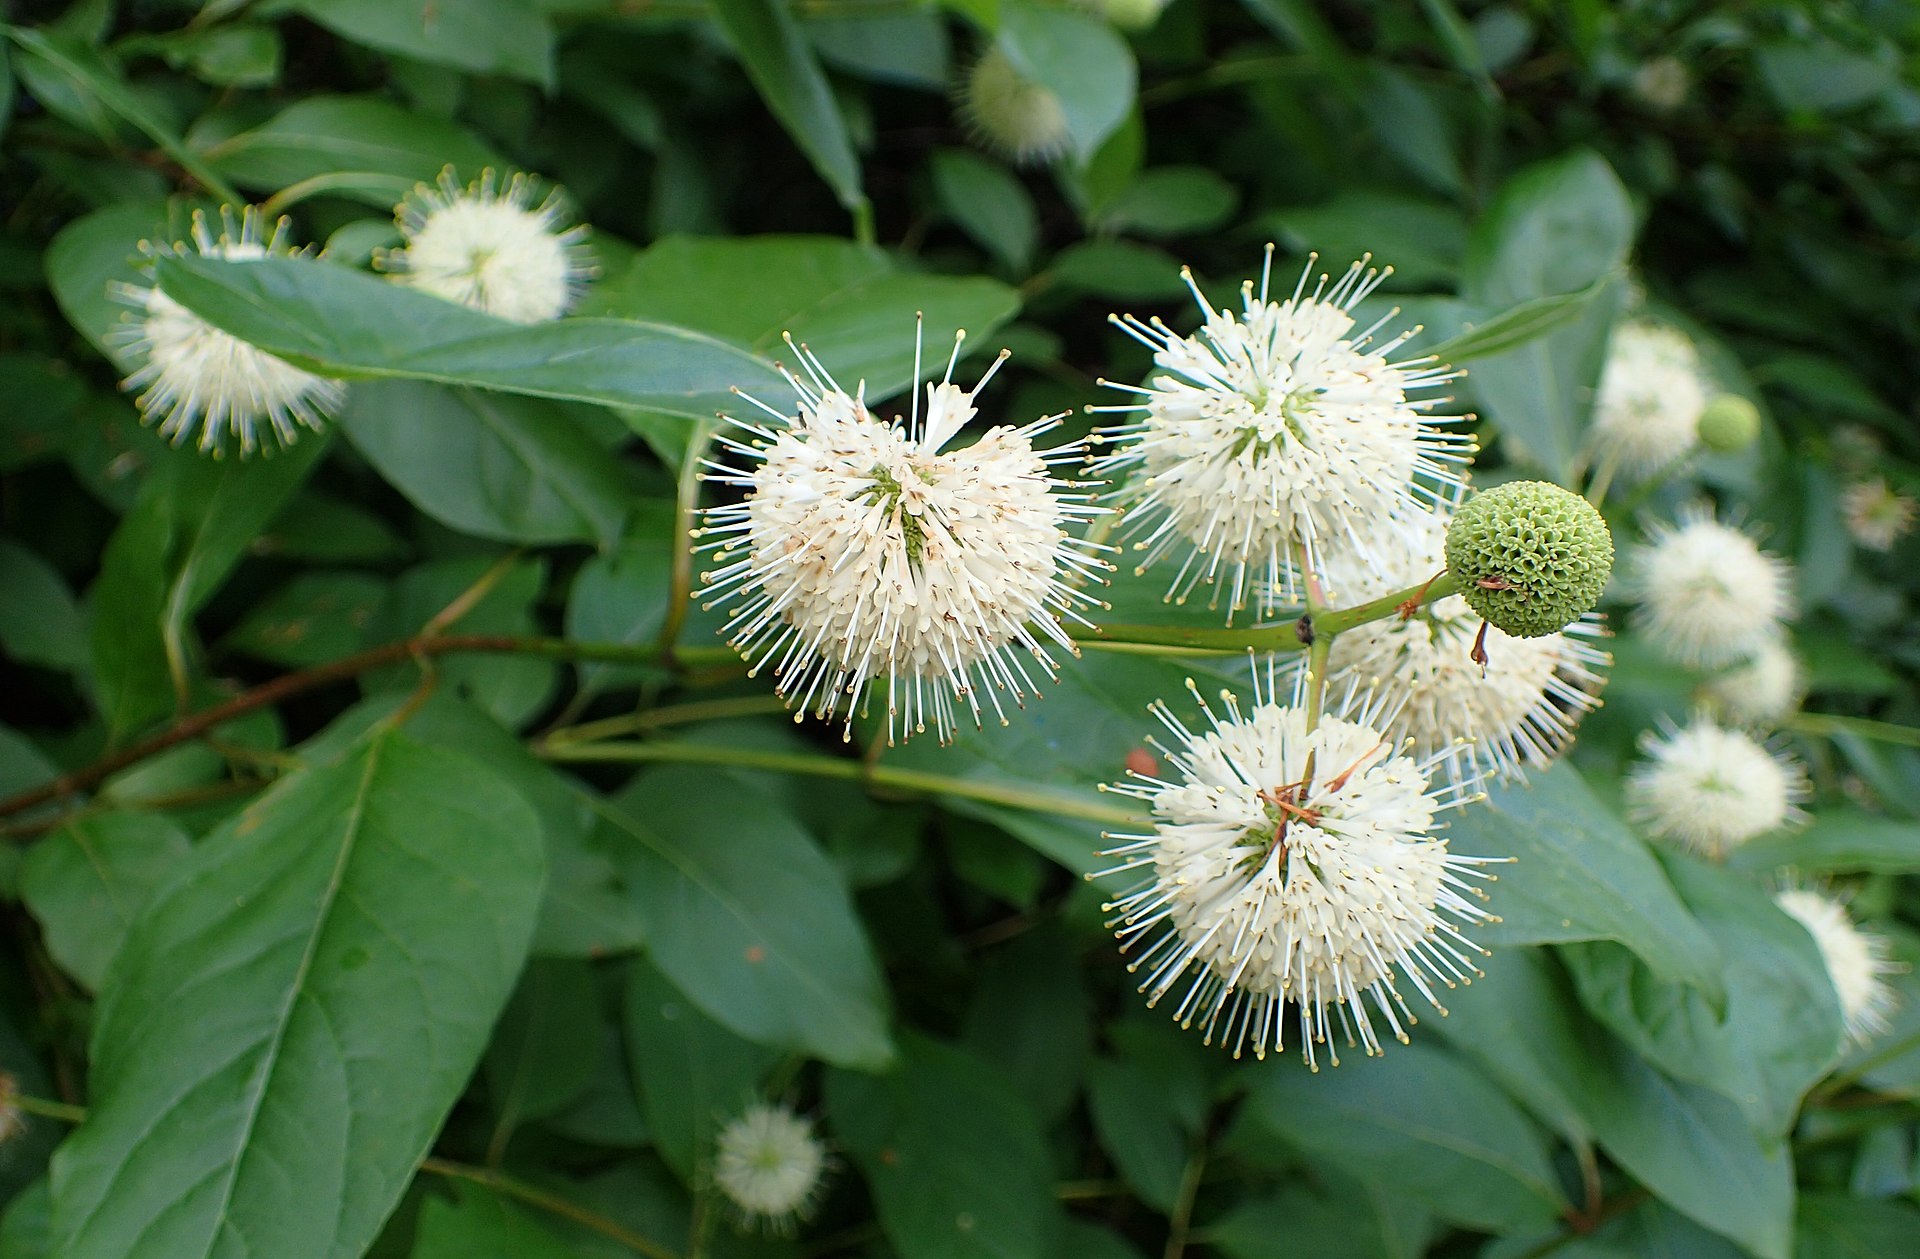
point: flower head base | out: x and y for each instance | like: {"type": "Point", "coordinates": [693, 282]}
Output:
{"type": "Point", "coordinates": [1876, 515]}
{"type": "Point", "coordinates": [1517, 710]}
{"type": "Point", "coordinates": [1530, 557]}
{"type": "Point", "coordinates": [1857, 961]}
{"type": "Point", "coordinates": [867, 550]}
{"type": "Point", "coordinates": [1708, 596]}
{"type": "Point", "coordinates": [193, 376]}
{"type": "Point", "coordinates": [1762, 690]}
{"type": "Point", "coordinates": [1711, 788]}
{"type": "Point", "coordinates": [1008, 112]}
{"type": "Point", "coordinates": [500, 249]}
{"type": "Point", "coordinates": [1275, 434]}
{"type": "Point", "coordinates": [1294, 862]}
{"type": "Point", "coordinates": [1646, 414]}
{"type": "Point", "coordinates": [770, 1166]}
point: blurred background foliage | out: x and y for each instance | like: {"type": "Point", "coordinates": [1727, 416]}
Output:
{"type": "Point", "coordinates": [1628, 1079]}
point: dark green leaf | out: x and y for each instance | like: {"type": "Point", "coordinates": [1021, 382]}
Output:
{"type": "Point", "coordinates": [1032, 1018]}
{"type": "Point", "coordinates": [508, 688]}
{"type": "Point", "coordinates": [1172, 201]}
{"type": "Point", "coordinates": [955, 1161]}
{"type": "Point", "coordinates": [496, 466]}
{"type": "Point", "coordinates": [477, 1223]}
{"type": "Point", "coordinates": [849, 304]}
{"type": "Point", "coordinates": [39, 621]}
{"type": "Point", "coordinates": [345, 323]}
{"type": "Point", "coordinates": [1139, 1131]}
{"type": "Point", "coordinates": [506, 37]}
{"type": "Point", "coordinates": [990, 204]}
{"type": "Point", "coordinates": [1580, 874]}
{"type": "Point", "coordinates": [1837, 839]}
{"type": "Point", "coordinates": [295, 1012]}
{"type": "Point", "coordinates": [387, 149]}
{"type": "Point", "coordinates": [750, 920]}
{"type": "Point", "coordinates": [782, 65]}
{"type": "Point", "coordinates": [545, 1048]}
{"type": "Point", "coordinates": [1514, 327]}
{"type": "Point", "coordinates": [1832, 1226]}
{"type": "Point", "coordinates": [89, 880]}
{"type": "Point", "coordinates": [316, 617]}
{"type": "Point", "coordinates": [1422, 240]}
{"type": "Point", "coordinates": [621, 595]}
{"type": "Point", "coordinates": [692, 1074]}
{"type": "Point", "coordinates": [1418, 1119]}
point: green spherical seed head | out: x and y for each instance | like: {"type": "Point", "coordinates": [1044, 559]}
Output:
{"type": "Point", "coordinates": [1730, 422]}
{"type": "Point", "coordinates": [1530, 557]}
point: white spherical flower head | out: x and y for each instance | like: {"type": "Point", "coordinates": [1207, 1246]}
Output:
{"type": "Point", "coordinates": [1021, 119]}
{"type": "Point", "coordinates": [1707, 594]}
{"type": "Point", "coordinates": [770, 1165]}
{"type": "Point", "coordinates": [868, 550]}
{"type": "Point", "coordinates": [1762, 690]}
{"type": "Point", "coordinates": [1516, 711]}
{"type": "Point", "coordinates": [1300, 863]}
{"type": "Point", "coordinates": [1273, 434]}
{"type": "Point", "coordinates": [1646, 413]}
{"type": "Point", "coordinates": [1876, 515]}
{"type": "Point", "coordinates": [1857, 961]}
{"type": "Point", "coordinates": [194, 377]}
{"type": "Point", "coordinates": [1712, 788]}
{"type": "Point", "coordinates": [502, 249]}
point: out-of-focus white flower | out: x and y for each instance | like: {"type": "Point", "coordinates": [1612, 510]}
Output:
{"type": "Point", "coordinates": [1662, 83]}
{"type": "Point", "coordinates": [498, 248]}
{"type": "Point", "coordinates": [1277, 432]}
{"type": "Point", "coordinates": [192, 375]}
{"type": "Point", "coordinates": [1876, 514]}
{"type": "Point", "coordinates": [1707, 594]}
{"type": "Point", "coordinates": [1290, 862]}
{"type": "Point", "coordinates": [1711, 788]}
{"type": "Point", "coordinates": [868, 550]}
{"type": "Point", "coordinates": [1762, 689]}
{"type": "Point", "coordinates": [770, 1165]}
{"type": "Point", "coordinates": [1021, 119]}
{"type": "Point", "coordinates": [1646, 414]}
{"type": "Point", "coordinates": [1519, 710]}
{"type": "Point", "coordinates": [1858, 961]}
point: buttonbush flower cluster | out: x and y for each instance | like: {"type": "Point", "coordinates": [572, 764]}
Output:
{"type": "Point", "coordinates": [1280, 457]}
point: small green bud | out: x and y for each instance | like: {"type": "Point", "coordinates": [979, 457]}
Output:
{"type": "Point", "coordinates": [1530, 557]}
{"type": "Point", "coordinates": [1730, 422]}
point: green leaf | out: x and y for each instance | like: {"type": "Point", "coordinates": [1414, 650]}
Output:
{"type": "Point", "coordinates": [1335, 1215]}
{"type": "Point", "coordinates": [782, 66]}
{"type": "Point", "coordinates": [295, 1012]}
{"type": "Point", "coordinates": [1891, 1062]}
{"type": "Point", "coordinates": [1580, 874]}
{"type": "Point", "coordinates": [88, 881]}
{"type": "Point", "coordinates": [39, 621]}
{"type": "Point", "coordinates": [322, 529]}
{"type": "Point", "coordinates": [93, 255]}
{"type": "Point", "coordinates": [390, 147]}
{"type": "Point", "coordinates": [691, 1073]}
{"type": "Point", "coordinates": [1031, 1017]}
{"type": "Point", "coordinates": [1172, 201]}
{"type": "Point", "coordinates": [990, 204]}
{"type": "Point", "coordinates": [1410, 123]}
{"type": "Point", "coordinates": [1077, 57]}
{"type": "Point", "coordinates": [545, 1048]}
{"type": "Point", "coordinates": [504, 37]}
{"type": "Point", "coordinates": [1119, 269]}
{"type": "Point", "coordinates": [750, 919]}
{"type": "Point", "coordinates": [1836, 839]}
{"type": "Point", "coordinates": [1418, 1119]}
{"type": "Point", "coordinates": [316, 617]}
{"type": "Point", "coordinates": [1557, 227]}
{"type": "Point", "coordinates": [1696, 1150]}
{"type": "Point", "coordinates": [492, 465]}
{"type": "Point", "coordinates": [1421, 239]}
{"type": "Point", "coordinates": [1520, 1022]}
{"type": "Point", "coordinates": [190, 526]}
{"type": "Point", "coordinates": [1517, 325]}
{"type": "Point", "coordinates": [621, 595]}
{"type": "Point", "coordinates": [46, 395]}
{"type": "Point", "coordinates": [955, 1161]}
{"type": "Point", "coordinates": [82, 71]}
{"type": "Point", "coordinates": [1139, 1130]}
{"type": "Point", "coordinates": [477, 1223]}
{"type": "Point", "coordinates": [849, 304]}
{"type": "Point", "coordinates": [345, 323]}
{"type": "Point", "coordinates": [1833, 1226]}
{"type": "Point", "coordinates": [1780, 1029]}
{"type": "Point", "coordinates": [1815, 75]}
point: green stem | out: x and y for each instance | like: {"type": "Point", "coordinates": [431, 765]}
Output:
{"type": "Point", "coordinates": [317, 185]}
{"type": "Point", "coordinates": [1210, 641]}
{"type": "Point", "coordinates": [552, 1203]}
{"type": "Point", "coordinates": [668, 715]}
{"type": "Point", "coordinates": [686, 507]}
{"type": "Point", "coordinates": [863, 226]}
{"type": "Point", "coordinates": [47, 1108]}
{"type": "Point", "coordinates": [1832, 723]}
{"type": "Point", "coordinates": [892, 777]}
